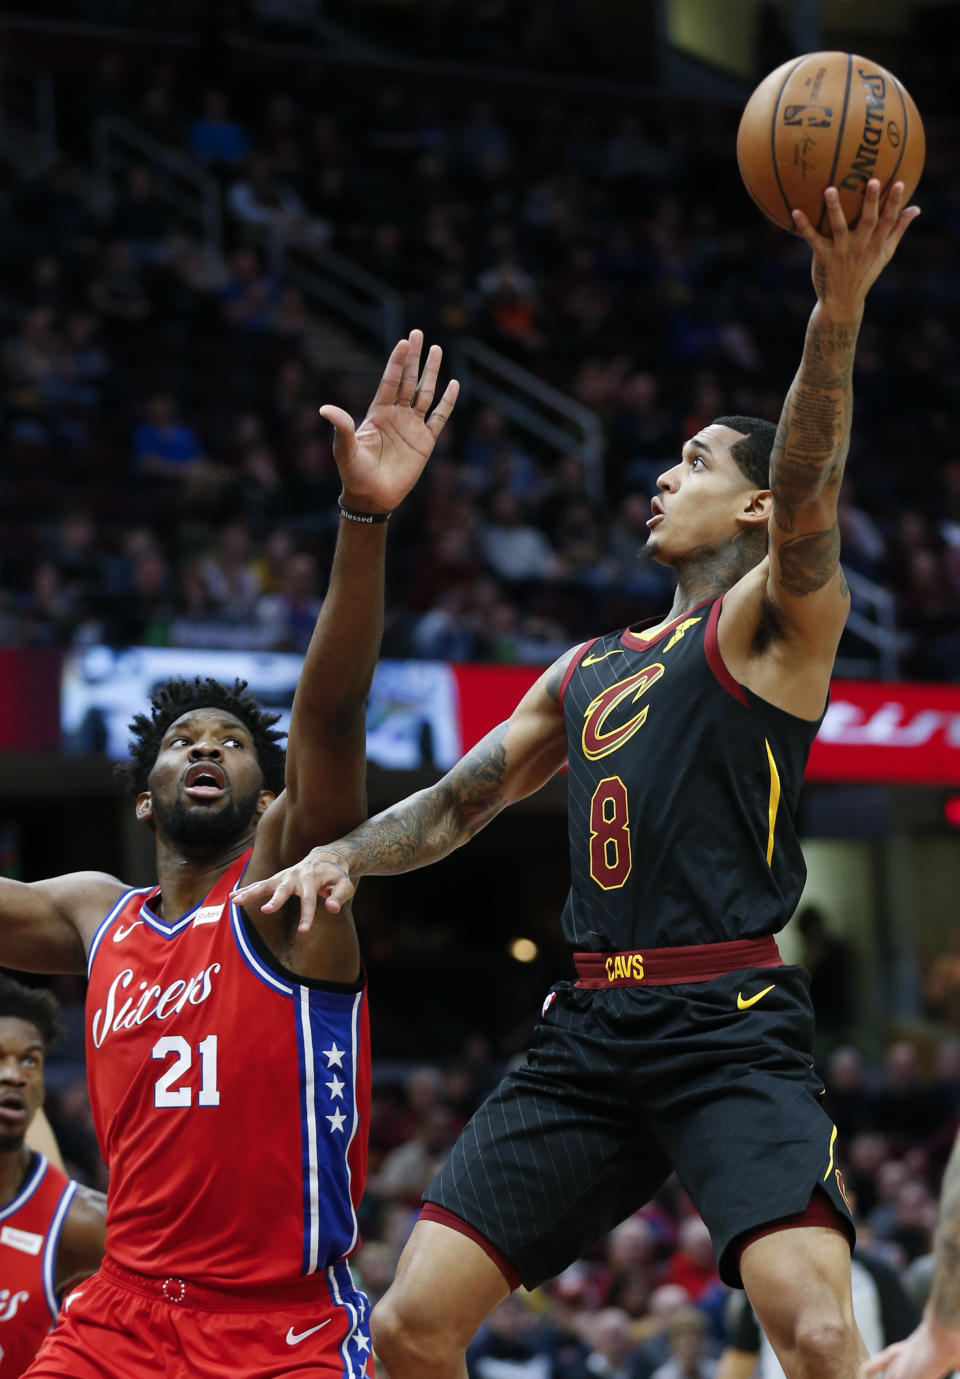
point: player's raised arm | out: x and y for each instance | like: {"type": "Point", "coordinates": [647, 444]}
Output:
{"type": "Point", "coordinates": [379, 463]}
{"type": "Point", "coordinates": [813, 437]}
{"type": "Point", "coordinates": [513, 760]}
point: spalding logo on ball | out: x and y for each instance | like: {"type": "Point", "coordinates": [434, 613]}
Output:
{"type": "Point", "coordinates": [822, 120]}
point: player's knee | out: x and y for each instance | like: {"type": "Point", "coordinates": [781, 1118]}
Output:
{"type": "Point", "coordinates": [825, 1343]}
{"type": "Point", "coordinates": [410, 1345]}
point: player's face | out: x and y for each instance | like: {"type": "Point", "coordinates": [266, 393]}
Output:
{"type": "Point", "coordinates": [702, 501]}
{"type": "Point", "coordinates": [21, 1079]}
{"type": "Point", "coordinates": [206, 786]}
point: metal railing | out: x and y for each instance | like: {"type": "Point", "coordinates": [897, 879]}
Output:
{"type": "Point", "coordinates": [357, 297]}
{"type": "Point", "coordinates": [872, 619]}
{"type": "Point", "coordinates": [534, 406]}
{"type": "Point", "coordinates": [180, 181]}
{"type": "Point", "coordinates": [28, 119]}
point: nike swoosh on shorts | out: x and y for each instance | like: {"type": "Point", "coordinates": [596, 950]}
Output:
{"type": "Point", "coordinates": [295, 1337]}
{"type": "Point", "coordinates": [752, 1000]}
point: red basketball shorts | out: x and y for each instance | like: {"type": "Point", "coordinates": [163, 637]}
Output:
{"type": "Point", "coordinates": [121, 1325]}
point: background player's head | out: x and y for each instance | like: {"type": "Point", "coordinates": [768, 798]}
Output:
{"type": "Point", "coordinates": [205, 763]}
{"type": "Point", "coordinates": [717, 497]}
{"type": "Point", "coordinates": [29, 1025]}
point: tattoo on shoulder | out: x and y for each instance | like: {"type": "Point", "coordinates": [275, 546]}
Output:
{"type": "Point", "coordinates": [808, 562]}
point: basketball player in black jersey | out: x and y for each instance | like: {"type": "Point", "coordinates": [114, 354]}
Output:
{"type": "Point", "coordinates": [685, 1042]}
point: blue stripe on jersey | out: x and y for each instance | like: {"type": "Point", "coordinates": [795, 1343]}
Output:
{"type": "Point", "coordinates": [327, 1047]}
{"type": "Point", "coordinates": [50, 1248]}
{"type": "Point", "coordinates": [28, 1189]}
{"type": "Point", "coordinates": [109, 918]}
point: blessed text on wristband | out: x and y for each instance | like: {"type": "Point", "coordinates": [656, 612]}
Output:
{"type": "Point", "coordinates": [365, 518]}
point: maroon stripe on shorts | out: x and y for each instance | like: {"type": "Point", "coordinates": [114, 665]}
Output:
{"type": "Point", "coordinates": [429, 1211]}
{"type": "Point", "coordinates": [697, 962]}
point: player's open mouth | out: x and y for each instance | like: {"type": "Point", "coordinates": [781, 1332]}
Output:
{"type": "Point", "coordinates": [656, 508]}
{"type": "Point", "coordinates": [13, 1109]}
{"type": "Point", "coordinates": [205, 780]}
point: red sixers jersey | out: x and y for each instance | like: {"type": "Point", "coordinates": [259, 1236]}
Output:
{"type": "Point", "coordinates": [230, 1098]}
{"type": "Point", "coordinates": [30, 1229]}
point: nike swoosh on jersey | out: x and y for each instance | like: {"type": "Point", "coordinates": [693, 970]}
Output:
{"type": "Point", "coordinates": [120, 933]}
{"type": "Point", "coordinates": [295, 1337]}
{"type": "Point", "coordinates": [594, 660]}
{"type": "Point", "coordinates": [71, 1298]}
{"type": "Point", "coordinates": [752, 1000]}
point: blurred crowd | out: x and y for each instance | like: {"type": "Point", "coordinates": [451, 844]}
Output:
{"type": "Point", "coordinates": [165, 477]}
{"type": "Point", "coordinates": [647, 1300]}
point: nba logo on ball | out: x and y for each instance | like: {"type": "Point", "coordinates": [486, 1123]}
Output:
{"type": "Point", "coordinates": [827, 119]}
{"type": "Point", "coordinates": [809, 116]}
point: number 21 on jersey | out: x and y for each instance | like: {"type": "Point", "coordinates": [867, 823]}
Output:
{"type": "Point", "coordinates": [610, 859]}
{"type": "Point", "coordinates": [165, 1090]}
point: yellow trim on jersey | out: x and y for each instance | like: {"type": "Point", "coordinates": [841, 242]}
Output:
{"type": "Point", "coordinates": [833, 1138]}
{"type": "Point", "coordinates": [774, 804]}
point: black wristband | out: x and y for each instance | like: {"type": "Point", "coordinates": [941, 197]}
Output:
{"type": "Point", "coordinates": [366, 518]}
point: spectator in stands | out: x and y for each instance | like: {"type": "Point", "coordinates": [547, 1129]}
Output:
{"type": "Point", "coordinates": [507, 1345]}
{"type": "Point", "coordinates": [848, 1099]}
{"type": "Point", "coordinates": [215, 137]}
{"type": "Point", "coordinates": [250, 295]}
{"type": "Point", "coordinates": [140, 218]}
{"type": "Point", "coordinates": [163, 445]}
{"type": "Point", "coordinates": [515, 550]}
{"type": "Point", "coordinates": [688, 1339]}
{"type": "Point", "coordinates": [264, 201]}
{"type": "Point", "coordinates": [612, 1353]}
{"type": "Point", "coordinates": [118, 292]}
{"type": "Point", "coordinates": [288, 616]}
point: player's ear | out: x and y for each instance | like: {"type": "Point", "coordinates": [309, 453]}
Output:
{"type": "Point", "coordinates": [144, 807]}
{"type": "Point", "coordinates": [758, 507]}
{"type": "Point", "coordinates": [264, 800]}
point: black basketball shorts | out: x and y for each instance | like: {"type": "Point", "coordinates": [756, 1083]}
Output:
{"type": "Point", "coordinates": [712, 1079]}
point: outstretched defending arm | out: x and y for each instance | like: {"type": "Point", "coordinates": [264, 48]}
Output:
{"type": "Point", "coordinates": [379, 463]}
{"type": "Point", "coordinates": [805, 580]}
{"type": "Point", "coordinates": [934, 1348]}
{"type": "Point", "coordinates": [513, 760]}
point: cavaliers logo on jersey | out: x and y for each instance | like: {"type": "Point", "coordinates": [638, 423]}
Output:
{"type": "Point", "coordinates": [599, 739]}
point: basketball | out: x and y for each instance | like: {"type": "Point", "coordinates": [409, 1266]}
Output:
{"type": "Point", "coordinates": [827, 119]}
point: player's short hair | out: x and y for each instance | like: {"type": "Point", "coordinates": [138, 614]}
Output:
{"type": "Point", "coordinates": [175, 697]}
{"type": "Point", "coordinates": [36, 1005]}
{"type": "Point", "coordinates": [752, 454]}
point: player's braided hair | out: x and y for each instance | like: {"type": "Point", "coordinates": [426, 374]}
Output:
{"type": "Point", "coordinates": [34, 1004]}
{"type": "Point", "coordinates": [177, 696]}
{"type": "Point", "coordinates": [752, 454]}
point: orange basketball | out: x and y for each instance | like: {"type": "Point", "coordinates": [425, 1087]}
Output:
{"type": "Point", "coordinates": [827, 119]}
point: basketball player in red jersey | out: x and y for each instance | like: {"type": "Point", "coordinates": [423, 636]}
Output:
{"type": "Point", "coordinates": [51, 1230]}
{"type": "Point", "coordinates": [227, 1054]}
{"type": "Point", "coordinates": [685, 1042]}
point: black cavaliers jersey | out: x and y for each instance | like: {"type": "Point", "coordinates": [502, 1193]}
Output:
{"type": "Point", "coordinates": [682, 793]}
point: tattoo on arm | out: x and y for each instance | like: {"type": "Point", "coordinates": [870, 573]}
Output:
{"type": "Point", "coordinates": [434, 822]}
{"type": "Point", "coordinates": [808, 562]}
{"type": "Point", "coordinates": [945, 1293]}
{"type": "Point", "coordinates": [814, 431]}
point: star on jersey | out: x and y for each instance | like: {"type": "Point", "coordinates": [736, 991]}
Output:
{"type": "Point", "coordinates": [333, 1055]}
{"type": "Point", "coordinates": [361, 1342]}
{"type": "Point", "coordinates": [337, 1121]}
{"type": "Point", "coordinates": [336, 1088]}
